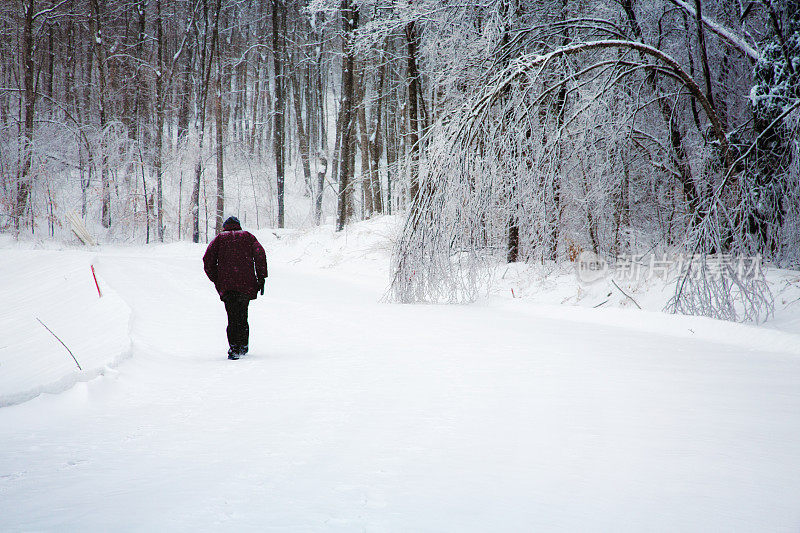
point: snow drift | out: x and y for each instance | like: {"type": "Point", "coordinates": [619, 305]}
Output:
{"type": "Point", "coordinates": [57, 288]}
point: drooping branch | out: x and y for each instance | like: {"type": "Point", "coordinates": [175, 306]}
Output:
{"type": "Point", "coordinates": [528, 63]}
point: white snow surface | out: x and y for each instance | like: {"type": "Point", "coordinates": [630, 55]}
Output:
{"type": "Point", "coordinates": [58, 289]}
{"type": "Point", "coordinates": [350, 414]}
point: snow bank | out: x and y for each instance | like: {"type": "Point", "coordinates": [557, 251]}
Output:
{"type": "Point", "coordinates": [640, 302]}
{"type": "Point", "coordinates": [57, 288]}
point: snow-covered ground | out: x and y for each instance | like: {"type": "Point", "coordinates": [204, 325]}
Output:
{"type": "Point", "coordinates": [512, 414]}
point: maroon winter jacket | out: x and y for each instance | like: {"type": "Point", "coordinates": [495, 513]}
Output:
{"type": "Point", "coordinates": [235, 261]}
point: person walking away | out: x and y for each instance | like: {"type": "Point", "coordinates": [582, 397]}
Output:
{"type": "Point", "coordinates": [236, 264]}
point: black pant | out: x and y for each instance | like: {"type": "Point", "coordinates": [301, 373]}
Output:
{"type": "Point", "coordinates": [238, 329]}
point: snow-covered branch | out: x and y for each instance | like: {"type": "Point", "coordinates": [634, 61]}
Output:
{"type": "Point", "coordinates": [737, 41]}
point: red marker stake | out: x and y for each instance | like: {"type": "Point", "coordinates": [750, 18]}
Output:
{"type": "Point", "coordinates": [99, 294]}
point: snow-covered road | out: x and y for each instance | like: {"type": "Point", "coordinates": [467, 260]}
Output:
{"type": "Point", "coordinates": [352, 415]}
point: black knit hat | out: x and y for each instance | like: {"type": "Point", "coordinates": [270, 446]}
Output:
{"type": "Point", "coordinates": [231, 224]}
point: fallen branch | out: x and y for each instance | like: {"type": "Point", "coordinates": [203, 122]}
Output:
{"type": "Point", "coordinates": [623, 292]}
{"type": "Point", "coordinates": [62, 343]}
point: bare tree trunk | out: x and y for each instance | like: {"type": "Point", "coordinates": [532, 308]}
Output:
{"type": "Point", "coordinates": [345, 203]}
{"type": "Point", "coordinates": [159, 133]}
{"type": "Point", "coordinates": [392, 141]}
{"type": "Point", "coordinates": [147, 208]}
{"type": "Point", "coordinates": [554, 218]}
{"type": "Point", "coordinates": [690, 58]}
{"type": "Point", "coordinates": [701, 39]}
{"type": "Point", "coordinates": [412, 77]}
{"type": "Point", "coordinates": [512, 226]}
{"type": "Point", "coordinates": [220, 119]}
{"type": "Point", "coordinates": [240, 116]}
{"type": "Point", "coordinates": [102, 78]}
{"type": "Point", "coordinates": [337, 145]}
{"type": "Point", "coordinates": [83, 105]}
{"type": "Point", "coordinates": [312, 109]}
{"type": "Point", "coordinates": [51, 59]}
{"type": "Point", "coordinates": [141, 89]}
{"type": "Point", "coordinates": [321, 170]}
{"type": "Point", "coordinates": [321, 100]}
{"type": "Point", "coordinates": [361, 114]}
{"type": "Point", "coordinates": [256, 99]}
{"type": "Point", "coordinates": [376, 146]}
{"type": "Point", "coordinates": [279, 133]}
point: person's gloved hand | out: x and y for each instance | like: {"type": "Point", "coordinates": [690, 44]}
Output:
{"type": "Point", "coordinates": [261, 286]}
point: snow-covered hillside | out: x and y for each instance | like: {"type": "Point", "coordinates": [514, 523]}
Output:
{"type": "Point", "coordinates": [350, 414]}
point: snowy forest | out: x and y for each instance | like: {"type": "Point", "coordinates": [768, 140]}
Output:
{"type": "Point", "coordinates": [400, 265]}
{"type": "Point", "coordinates": [506, 130]}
